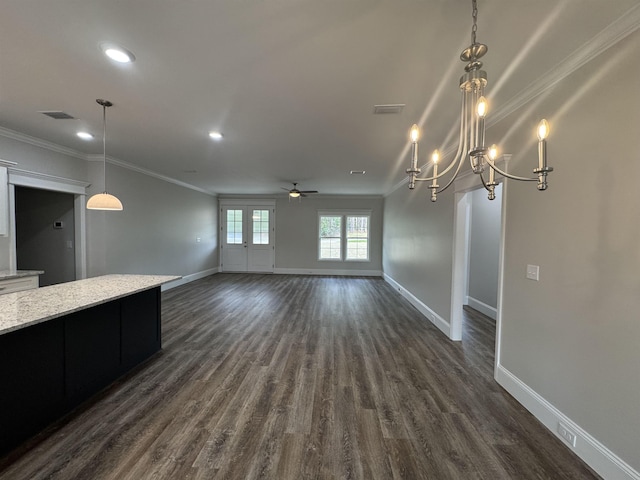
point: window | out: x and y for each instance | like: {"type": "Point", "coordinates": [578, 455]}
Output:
{"type": "Point", "coordinates": [234, 227]}
{"type": "Point", "coordinates": [330, 237]}
{"type": "Point", "coordinates": [358, 237]}
{"type": "Point", "coordinates": [343, 236]}
{"type": "Point", "coordinates": [260, 227]}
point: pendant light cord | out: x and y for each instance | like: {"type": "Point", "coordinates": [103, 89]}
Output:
{"type": "Point", "coordinates": [104, 104]}
{"type": "Point", "coordinates": [104, 143]}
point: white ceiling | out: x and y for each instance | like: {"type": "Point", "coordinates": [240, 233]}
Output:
{"type": "Point", "coordinates": [290, 83]}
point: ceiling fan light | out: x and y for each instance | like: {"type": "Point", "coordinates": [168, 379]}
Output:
{"type": "Point", "coordinates": [294, 194]}
{"type": "Point", "coordinates": [104, 201]}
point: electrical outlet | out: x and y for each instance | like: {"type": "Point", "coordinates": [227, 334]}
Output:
{"type": "Point", "coordinates": [567, 434]}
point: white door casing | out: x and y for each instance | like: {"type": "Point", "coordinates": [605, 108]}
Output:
{"type": "Point", "coordinates": [248, 235]}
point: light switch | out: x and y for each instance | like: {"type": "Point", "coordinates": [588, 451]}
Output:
{"type": "Point", "coordinates": [69, 244]}
{"type": "Point", "coordinates": [197, 239]}
{"type": "Point", "coordinates": [533, 272]}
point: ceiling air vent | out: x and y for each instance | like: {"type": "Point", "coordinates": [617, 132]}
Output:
{"type": "Point", "coordinates": [393, 108]}
{"type": "Point", "coordinates": [58, 115]}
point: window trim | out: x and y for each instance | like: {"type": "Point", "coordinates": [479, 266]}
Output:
{"type": "Point", "coordinates": [344, 214]}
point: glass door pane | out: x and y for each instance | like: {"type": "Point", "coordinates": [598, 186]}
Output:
{"type": "Point", "coordinates": [234, 227]}
{"type": "Point", "coordinates": [260, 220]}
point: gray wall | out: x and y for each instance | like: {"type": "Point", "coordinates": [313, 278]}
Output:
{"type": "Point", "coordinates": [418, 245]}
{"type": "Point", "coordinates": [39, 159]}
{"type": "Point", "coordinates": [573, 336]}
{"type": "Point", "coordinates": [156, 233]}
{"type": "Point", "coordinates": [39, 245]}
{"type": "Point", "coordinates": [484, 247]}
{"type": "Point", "coordinates": [297, 232]}
{"type": "Point", "coordinates": [5, 245]}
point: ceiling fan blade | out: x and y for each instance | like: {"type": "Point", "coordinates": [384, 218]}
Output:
{"type": "Point", "coordinates": [308, 191]}
{"type": "Point", "coordinates": [287, 189]}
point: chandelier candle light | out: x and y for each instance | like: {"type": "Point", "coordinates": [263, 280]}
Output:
{"type": "Point", "coordinates": [471, 141]}
{"type": "Point", "coordinates": [104, 200]}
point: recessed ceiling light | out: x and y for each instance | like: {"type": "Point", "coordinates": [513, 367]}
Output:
{"type": "Point", "coordinates": [85, 135]}
{"type": "Point", "coordinates": [117, 53]}
{"type": "Point", "coordinates": [215, 135]}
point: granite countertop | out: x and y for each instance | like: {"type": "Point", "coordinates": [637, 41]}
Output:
{"type": "Point", "coordinates": [22, 309]}
{"type": "Point", "coordinates": [9, 274]}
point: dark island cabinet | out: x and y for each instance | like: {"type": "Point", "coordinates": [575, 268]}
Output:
{"type": "Point", "coordinates": [50, 368]}
{"type": "Point", "coordinates": [31, 381]}
{"type": "Point", "coordinates": [140, 327]}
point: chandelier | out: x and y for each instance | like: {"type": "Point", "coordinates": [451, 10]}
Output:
{"type": "Point", "coordinates": [471, 142]}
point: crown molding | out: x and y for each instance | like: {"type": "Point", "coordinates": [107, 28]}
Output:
{"type": "Point", "coordinates": [38, 142]}
{"type": "Point", "coordinates": [149, 173]}
{"type": "Point", "coordinates": [616, 31]}
{"type": "Point", "coordinates": [54, 147]}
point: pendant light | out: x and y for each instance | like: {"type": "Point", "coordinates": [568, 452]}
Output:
{"type": "Point", "coordinates": [104, 200]}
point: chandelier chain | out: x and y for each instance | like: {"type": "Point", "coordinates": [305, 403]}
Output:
{"type": "Point", "coordinates": [474, 14]}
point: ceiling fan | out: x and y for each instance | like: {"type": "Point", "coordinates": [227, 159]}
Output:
{"type": "Point", "coordinates": [295, 193]}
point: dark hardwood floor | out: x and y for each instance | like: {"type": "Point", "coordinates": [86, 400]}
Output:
{"type": "Point", "coordinates": [294, 377]}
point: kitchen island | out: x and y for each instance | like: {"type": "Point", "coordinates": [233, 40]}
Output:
{"type": "Point", "coordinates": [18, 280]}
{"type": "Point", "coordinates": [61, 344]}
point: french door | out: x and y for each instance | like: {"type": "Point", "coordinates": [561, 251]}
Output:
{"type": "Point", "coordinates": [248, 242]}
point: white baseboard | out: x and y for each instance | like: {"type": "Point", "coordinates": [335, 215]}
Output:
{"type": "Point", "coordinates": [595, 454]}
{"type": "Point", "coordinates": [327, 271]}
{"type": "Point", "coordinates": [190, 278]}
{"type": "Point", "coordinates": [488, 310]}
{"type": "Point", "coordinates": [433, 317]}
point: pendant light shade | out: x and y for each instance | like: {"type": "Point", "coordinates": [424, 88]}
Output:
{"type": "Point", "coordinates": [104, 200]}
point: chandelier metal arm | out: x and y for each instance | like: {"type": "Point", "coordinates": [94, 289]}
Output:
{"type": "Point", "coordinates": [484, 184]}
{"type": "Point", "coordinates": [453, 178]}
{"type": "Point", "coordinates": [462, 146]}
{"type": "Point", "coordinates": [462, 141]}
{"type": "Point", "coordinates": [508, 175]}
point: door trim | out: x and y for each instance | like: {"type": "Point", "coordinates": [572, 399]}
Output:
{"type": "Point", "coordinates": [245, 202]}
{"type": "Point", "coordinates": [24, 178]}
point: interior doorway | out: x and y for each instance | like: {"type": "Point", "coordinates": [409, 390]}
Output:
{"type": "Point", "coordinates": [464, 191]}
{"type": "Point", "coordinates": [45, 233]}
{"type": "Point", "coordinates": [248, 238]}
{"type": "Point", "coordinates": [484, 252]}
